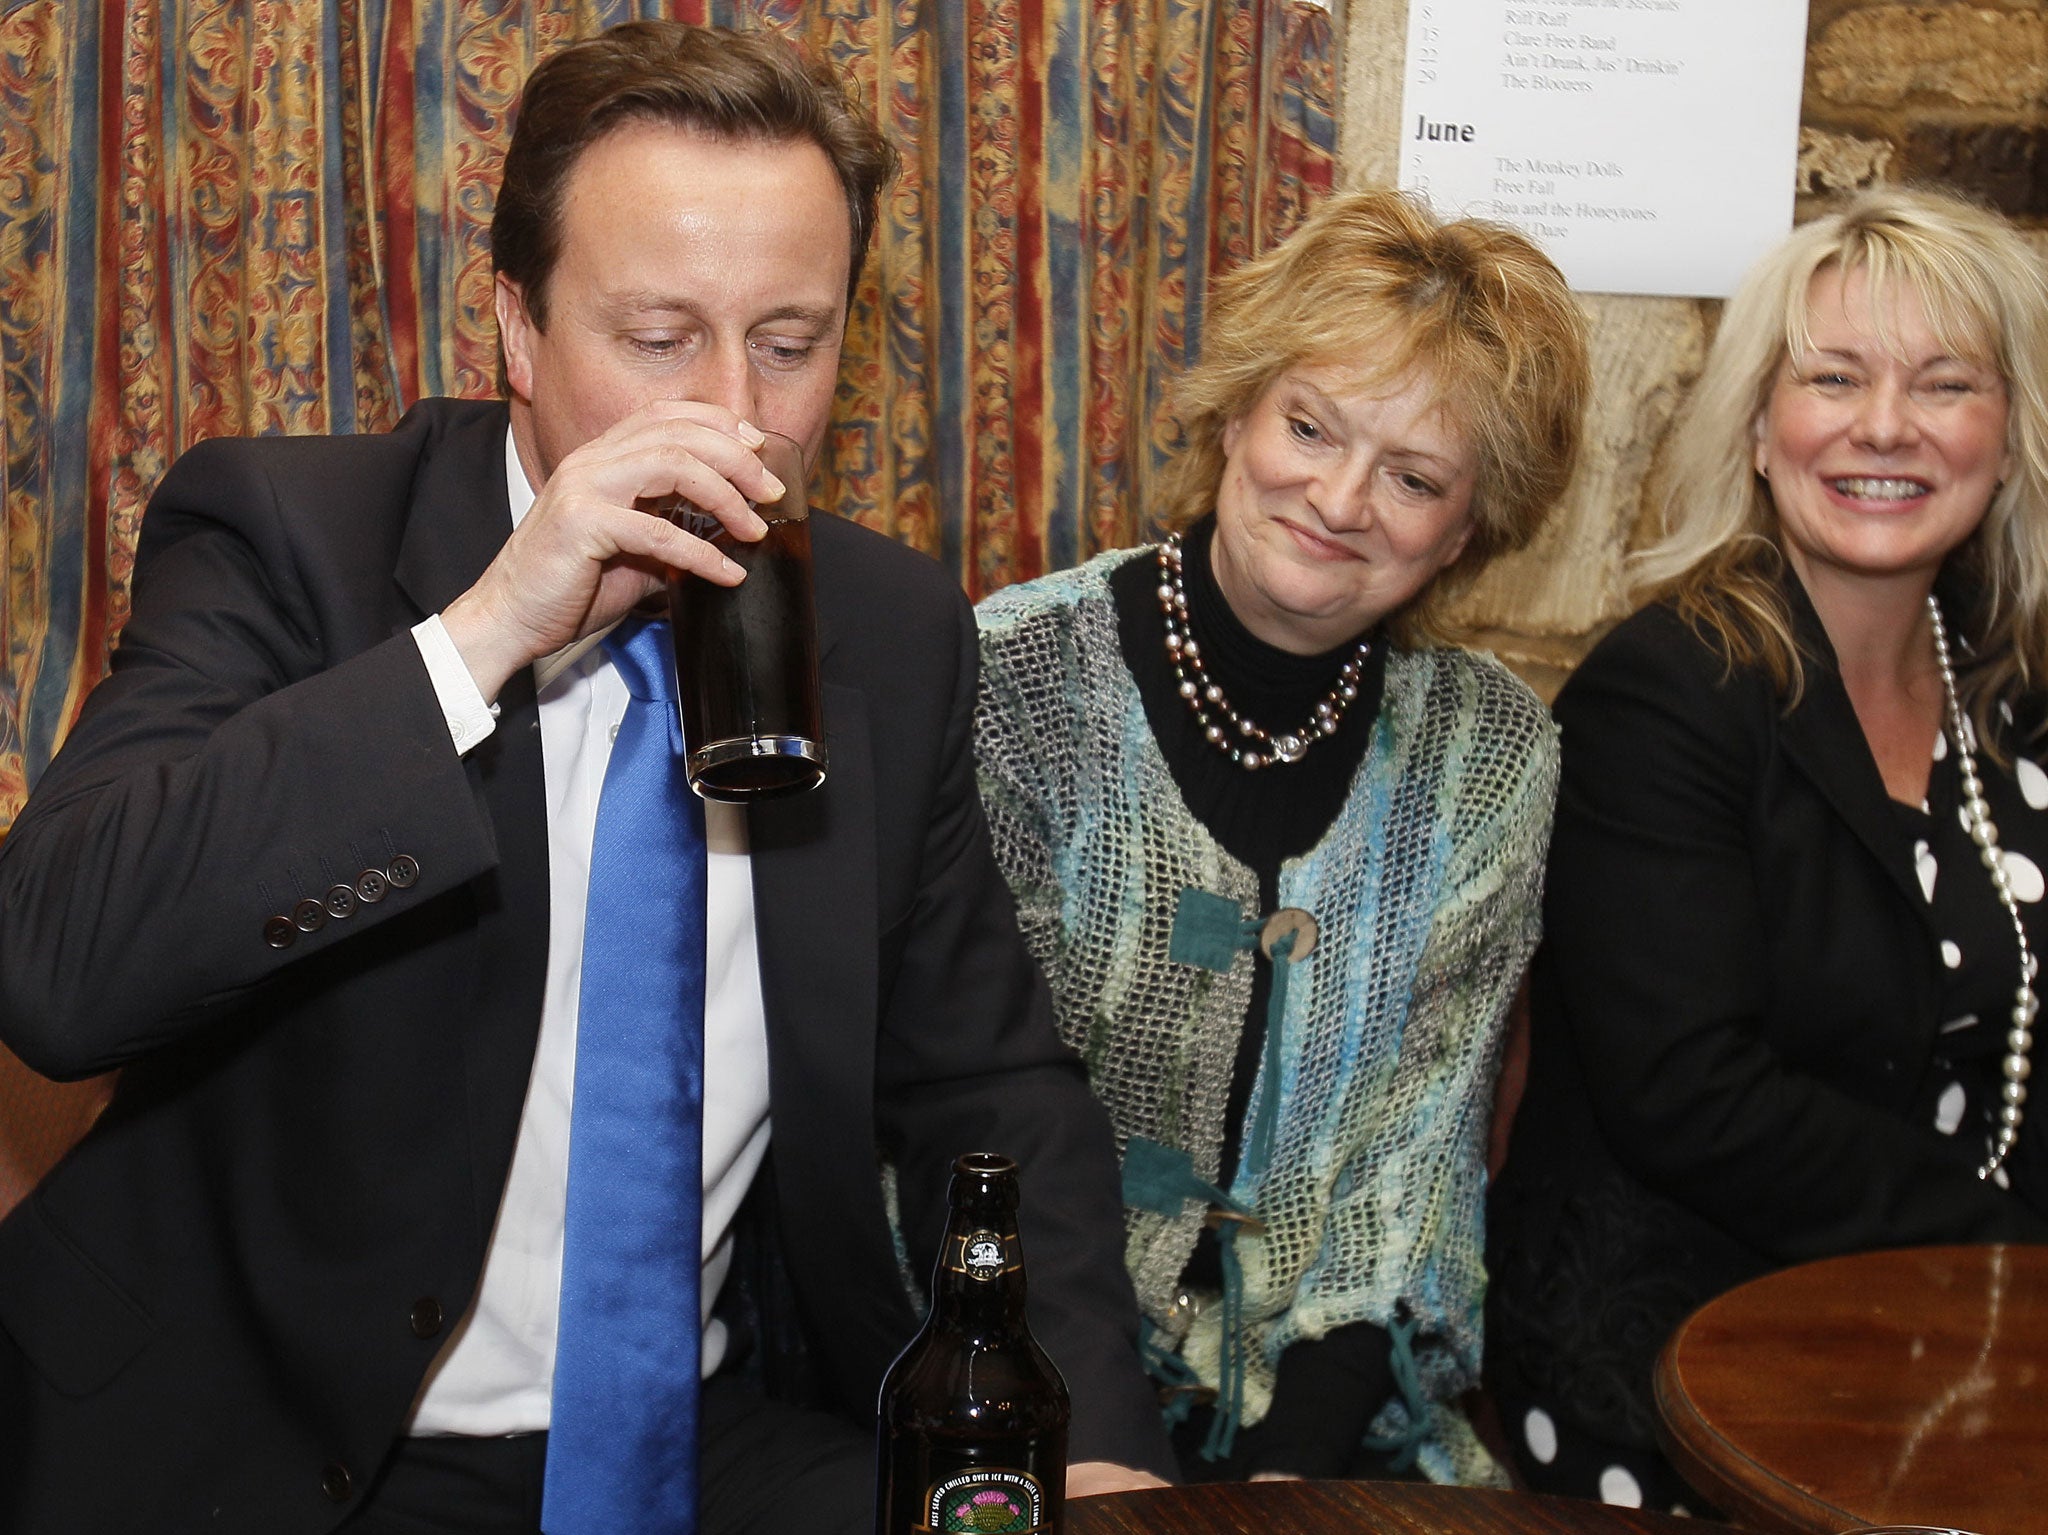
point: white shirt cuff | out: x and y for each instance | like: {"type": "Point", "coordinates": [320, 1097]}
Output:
{"type": "Point", "coordinates": [470, 719]}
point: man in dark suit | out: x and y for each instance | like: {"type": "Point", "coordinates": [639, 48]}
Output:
{"type": "Point", "coordinates": [311, 871]}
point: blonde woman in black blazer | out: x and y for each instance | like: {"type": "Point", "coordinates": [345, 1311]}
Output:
{"type": "Point", "coordinates": [1780, 1011]}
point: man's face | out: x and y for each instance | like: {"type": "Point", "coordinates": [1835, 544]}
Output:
{"type": "Point", "coordinates": [691, 268]}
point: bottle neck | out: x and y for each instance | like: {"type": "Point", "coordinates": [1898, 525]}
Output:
{"type": "Point", "coordinates": [978, 1284]}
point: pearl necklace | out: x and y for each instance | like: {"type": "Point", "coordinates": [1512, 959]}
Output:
{"type": "Point", "coordinates": [2019, 1039]}
{"type": "Point", "coordinates": [1249, 745]}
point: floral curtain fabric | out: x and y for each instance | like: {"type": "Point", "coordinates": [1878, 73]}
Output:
{"type": "Point", "coordinates": [229, 216]}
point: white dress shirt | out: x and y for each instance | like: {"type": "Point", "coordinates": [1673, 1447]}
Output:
{"type": "Point", "coordinates": [495, 1374]}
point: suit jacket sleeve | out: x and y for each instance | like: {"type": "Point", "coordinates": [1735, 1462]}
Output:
{"type": "Point", "coordinates": [970, 1060]}
{"type": "Point", "coordinates": [230, 767]}
{"type": "Point", "coordinates": [1665, 945]}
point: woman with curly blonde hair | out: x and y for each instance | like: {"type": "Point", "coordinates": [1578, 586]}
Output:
{"type": "Point", "coordinates": [1278, 848]}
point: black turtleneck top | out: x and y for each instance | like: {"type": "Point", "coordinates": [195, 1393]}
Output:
{"type": "Point", "coordinates": [1278, 812]}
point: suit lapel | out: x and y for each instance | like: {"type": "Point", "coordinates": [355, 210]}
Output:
{"type": "Point", "coordinates": [814, 862]}
{"type": "Point", "coordinates": [459, 519]}
{"type": "Point", "coordinates": [813, 854]}
{"type": "Point", "coordinates": [813, 865]}
{"type": "Point", "coordinates": [1825, 741]}
{"type": "Point", "coordinates": [816, 872]}
{"type": "Point", "coordinates": [460, 516]}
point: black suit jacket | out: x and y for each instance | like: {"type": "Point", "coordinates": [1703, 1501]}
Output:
{"type": "Point", "coordinates": [216, 1313]}
{"type": "Point", "coordinates": [1734, 1007]}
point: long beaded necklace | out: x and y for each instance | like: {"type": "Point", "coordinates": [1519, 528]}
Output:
{"type": "Point", "coordinates": [2019, 1039]}
{"type": "Point", "coordinates": [1250, 745]}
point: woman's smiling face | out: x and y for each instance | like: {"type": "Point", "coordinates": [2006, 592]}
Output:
{"type": "Point", "coordinates": [1340, 501]}
{"type": "Point", "coordinates": [1882, 446]}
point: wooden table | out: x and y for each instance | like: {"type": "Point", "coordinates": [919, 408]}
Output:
{"type": "Point", "coordinates": [1359, 1508]}
{"type": "Point", "coordinates": [1905, 1387]}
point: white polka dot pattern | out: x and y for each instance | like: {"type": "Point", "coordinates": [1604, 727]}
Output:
{"type": "Point", "coordinates": [2025, 874]}
{"type": "Point", "coordinates": [1618, 1485]}
{"type": "Point", "coordinates": [1923, 863]}
{"type": "Point", "coordinates": [2016, 880]}
{"type": "Point", "coordinates": [2033, 782]}
{"type": "Point", "coordinates": [1539, 1432]}
{"type": "Point", "coordinates": [1950, 954]}
{"type": "Point", "coordinates": [1948, 1110]}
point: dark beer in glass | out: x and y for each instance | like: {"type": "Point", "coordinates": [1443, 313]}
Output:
{"type": "Point", "coordinates": [973, 1415]}
{"type": "Point", "coordinates": [747, 655]}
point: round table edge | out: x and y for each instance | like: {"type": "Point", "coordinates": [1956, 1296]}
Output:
{"type": "Point", "coordinates": [1749, 1492]}
{"type": "Point", "coordinates": [1384, 1506]}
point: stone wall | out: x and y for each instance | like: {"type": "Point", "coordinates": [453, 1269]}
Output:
{"type": "Point", "coordinates": [1949, 92]}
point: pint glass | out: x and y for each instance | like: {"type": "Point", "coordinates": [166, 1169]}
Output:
{"type": "Point", "coordinates": [747, 655]}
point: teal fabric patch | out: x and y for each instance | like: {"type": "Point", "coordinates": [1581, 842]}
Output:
{"type": "Point", "coordinates": [1208, 930]}
{"type": "Point", "coordinates": [1159, 1178]}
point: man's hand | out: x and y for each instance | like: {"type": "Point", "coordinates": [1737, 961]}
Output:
{"type": "Point", "coordinates": [1090, 1477]}
{"type": "Point", "coordinates": [585, 555]}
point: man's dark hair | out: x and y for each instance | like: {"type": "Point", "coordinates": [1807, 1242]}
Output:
{"type": "Point", "coordinates": [742, 85]}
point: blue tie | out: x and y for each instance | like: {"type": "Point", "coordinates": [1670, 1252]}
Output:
{"type": "Point", "coordinates": [622, 1444]}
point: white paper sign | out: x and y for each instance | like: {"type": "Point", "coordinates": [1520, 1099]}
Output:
{"type": "Point", "coordinates": [1649, 146]}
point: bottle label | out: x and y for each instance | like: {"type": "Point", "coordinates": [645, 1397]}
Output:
{"type": "Point", "coordinates": [981, 1255]}
{"type": "Point", "coordinates": [984, 1501]}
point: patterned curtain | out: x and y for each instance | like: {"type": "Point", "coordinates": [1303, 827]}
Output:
{"type": "Point", "coordinates": [225, 216]}
{"type": "Point", "coordinates": [235, 216]}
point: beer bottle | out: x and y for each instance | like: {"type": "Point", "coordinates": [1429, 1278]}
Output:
{"type": "Point", "coordinates": [973, 1430]}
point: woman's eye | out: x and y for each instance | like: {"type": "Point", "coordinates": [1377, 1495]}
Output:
{"type": "Point", "coordinates": [1304, 429]}
{"type": "Point", "coordinates": [1416, 485]}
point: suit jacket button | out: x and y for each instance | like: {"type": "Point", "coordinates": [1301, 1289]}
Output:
{"type": "Point", "coordinates": [337, 1483]}
{"type": "Point", "coordinates": [404, 872]}
{"type": "Point", "coordinates": [341, 902]}
{"type": "Point", "coordinates": [279, 933]}
{"type": "Point", "coordinates": [426, 1317]}
{"type": "Point", "coordinates": [309, 916]}
{"type": "Point", "coordinates": [372, 886]}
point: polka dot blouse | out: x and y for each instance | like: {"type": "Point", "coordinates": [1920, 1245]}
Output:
{"type": "Point", "coordinates": [1959, 1096]}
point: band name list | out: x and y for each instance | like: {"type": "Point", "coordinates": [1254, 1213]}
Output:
{"type": "Point", "coordinates": [1544, 51]}
{"type": "Point", "coordinates": [1602, 128]}
{"type": "Point", "coordinates": [1538, 194]}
